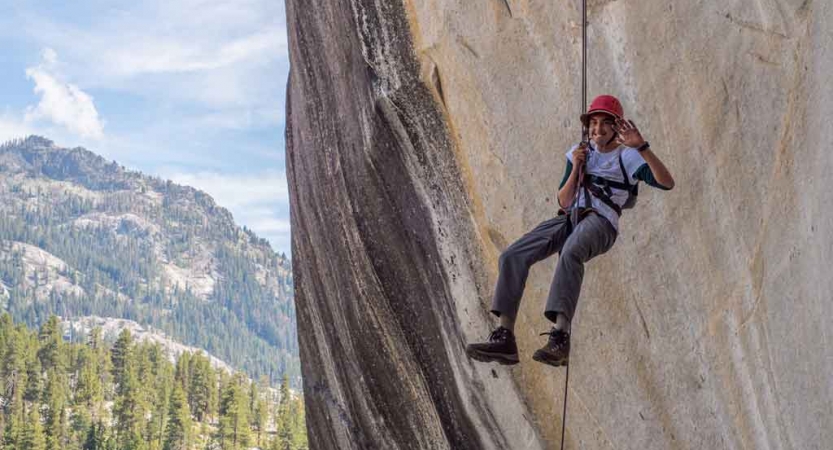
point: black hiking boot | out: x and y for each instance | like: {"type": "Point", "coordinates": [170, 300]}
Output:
{"type": "Point", "coordinates": [557, 351]}
{"type": "Point", "coordinates": [500, 348]}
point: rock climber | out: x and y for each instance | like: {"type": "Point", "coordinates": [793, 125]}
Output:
{"type": "Point", "coordinates": [614, 160]}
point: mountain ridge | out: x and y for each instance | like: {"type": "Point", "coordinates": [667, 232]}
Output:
{"type": "Point", "coordinates": [134, 246]}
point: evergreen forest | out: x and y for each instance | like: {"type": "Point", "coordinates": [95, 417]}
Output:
{"type": "Point", "coordinates": [131, 396]}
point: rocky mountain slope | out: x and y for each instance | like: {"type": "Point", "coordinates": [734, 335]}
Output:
{"type": "Point", "coordinates": [75, 327]}
{"type": "Point", "coordinates": [423, 137]}
{"type": "Point", "coordinates": [81, 236]}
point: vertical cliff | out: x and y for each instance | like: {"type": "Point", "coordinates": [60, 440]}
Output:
{"type": "Point", "coordinates": [423, 136]}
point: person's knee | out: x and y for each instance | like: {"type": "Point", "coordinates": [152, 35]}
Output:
{"type": "Point", "coordinates": [514, 259]}
{"type": "Point", "coordinates": [507, 258]}
{"type": "Point", "coordinates": [571, 254]}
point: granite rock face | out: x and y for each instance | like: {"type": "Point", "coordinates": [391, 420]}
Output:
{"type": "Point", "coordinates": [424, 136]}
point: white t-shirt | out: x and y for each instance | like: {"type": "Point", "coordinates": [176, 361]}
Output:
{"type": "Point", "coordinates": [606, 165]}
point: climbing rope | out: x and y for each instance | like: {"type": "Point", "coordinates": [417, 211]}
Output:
{"type": "Point", "coordinates": [564, 412]}
{"type": "Point", "coordinates": [574, 215]}
{"type": "Point", "coordinates": [584, 131]}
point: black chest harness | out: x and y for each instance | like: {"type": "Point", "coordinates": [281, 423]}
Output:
{"type": "Point", "coordinates": [602, 188]}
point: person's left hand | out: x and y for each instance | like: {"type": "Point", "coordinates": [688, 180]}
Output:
{"type": "Point", "coordinates": [628, 134]}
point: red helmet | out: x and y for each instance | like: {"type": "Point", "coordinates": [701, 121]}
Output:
{"type": "Point", "coordinates": [603, 104]}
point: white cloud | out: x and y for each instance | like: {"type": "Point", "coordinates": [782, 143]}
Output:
{"type": "Point", "coordinates": [239, 119]}
{"type": "Point", "coordinates": [50, 58]}
{"type": "Point", "coordinates": [176, 54]}
{"type": "Point", "coordinates": [218, 52]}
{"type": "Point", "coordinates": [270, 226]}
{"type": "Point", "coordinates": [62, 103]}
{"type": "Point", "coordinates": [11, 127]}
{"type": "Point", "coordinates": [234, 192]}
{"type": "Point", "coordinates": [211, 65]}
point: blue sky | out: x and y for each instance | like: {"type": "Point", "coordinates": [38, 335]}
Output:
{"type": "Point", "coordinates": [190, 90]}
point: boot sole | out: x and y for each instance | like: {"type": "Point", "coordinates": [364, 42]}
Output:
{"type": "Point", "coordinates": [506, 360]}
{"type": "Point", "coordinates": [546, 359]}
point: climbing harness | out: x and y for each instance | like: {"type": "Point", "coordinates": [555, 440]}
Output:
{"type": "Point", "coordinates": [602, 188]}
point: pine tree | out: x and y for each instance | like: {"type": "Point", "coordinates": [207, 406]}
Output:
{"type": "Point", "coordinates": [260, 410]}
{"type": "Point", "coordinates": [13, 433]}
{"type": "Point", "coordinates": [89, 392]}
{"type": "Point", "coordinates": [33, 380]}
{"type": "Point", "coordinates": [80, 424]}
{"type": "Point", "coordinates": [51, 353]}
{"type": "Point", "coordinates": [234, 424]}
{"type": "Point", "coordinates": [129, 408]}
{"type": "Point", "coordinates": [284, 416]}
{"type": "Point", "coordinates": [14, 363]}
{"type": "Point", "coordinates": [163, 388]}
{"type": "Point", "coordinates": [55, 400]}
{"type": "Point", "coordinates": [33, 437]}
{"type": "Point", "coordinates": [146, 392]}
{"type": "Point", "coordinates": [178, 430]}
{"type": "Point", "coordinates": [299, 425]}
{"type": "Point", "coordinates": [183, 371]}
{"type": "Point", "coordinates": [14, 374]}
{"type": "Point", "coordinates": [120, 354]}
{"type": "Point", "coordinates": [103, 364]}
{"type": "Point", "coordinates": [97, 438]}
{"type": "Point", "coordinates": [201, 387]}
{"type": "Point", "coordinates": [6, 328]}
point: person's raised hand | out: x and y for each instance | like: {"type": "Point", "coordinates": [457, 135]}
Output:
{"type": "Point", "coordinates": [628, 134]}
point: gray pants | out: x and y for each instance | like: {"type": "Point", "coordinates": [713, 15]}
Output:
{"type": "Point", "coordinates": [593, 236]}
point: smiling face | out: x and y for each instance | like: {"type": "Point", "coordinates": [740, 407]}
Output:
{"type": "Point", "coordinates": [601, 129]}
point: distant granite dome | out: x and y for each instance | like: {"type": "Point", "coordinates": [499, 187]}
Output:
{"type": "Point", "coordinates": [424, 137]}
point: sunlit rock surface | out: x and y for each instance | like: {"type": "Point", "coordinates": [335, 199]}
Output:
{"type": "Point", "coordinates": [425, 136]}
